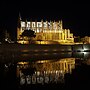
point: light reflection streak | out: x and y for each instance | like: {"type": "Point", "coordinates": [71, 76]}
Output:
{"type": "Point", "coordinates": [46, 71]}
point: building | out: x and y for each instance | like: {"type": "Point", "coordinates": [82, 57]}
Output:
{"type": "Point", "coordinates": [86, 40]}
{"type": "Point", "coordinates": [46, 31]}
{"type": "Point", "coordinates": [46, 71]}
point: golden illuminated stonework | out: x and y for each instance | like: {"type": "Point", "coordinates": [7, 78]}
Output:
{"type": "Point", "coordinates": [46, 32]}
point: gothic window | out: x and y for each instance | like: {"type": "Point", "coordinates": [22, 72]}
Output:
{"type": "Point", "coordinates": [33, 24]}
{"type": "Point", "coordinates": [28, 24]}
{"type": "Point", "coordinates": [45, 24]}
{"type": "Point", "coordinates": [22, 24]}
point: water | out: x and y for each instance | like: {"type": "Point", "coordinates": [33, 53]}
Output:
{"type": "Point", "coordinates": [49, 73]}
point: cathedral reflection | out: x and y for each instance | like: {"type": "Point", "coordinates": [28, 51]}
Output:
{"type": "Point", "coordinates": [44, 71]}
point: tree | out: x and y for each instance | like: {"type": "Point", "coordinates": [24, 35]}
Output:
{"type": "Point", "coordinates": [77, 39]}
{"type": "Point", "coordinates": [29, 34]}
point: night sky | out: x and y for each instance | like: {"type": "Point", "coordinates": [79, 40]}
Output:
{"type": "Point", "coordinates": [75, 17]}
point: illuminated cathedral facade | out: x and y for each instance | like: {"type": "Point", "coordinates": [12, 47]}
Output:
{"type": "Point", "coordinates": [46, 32]}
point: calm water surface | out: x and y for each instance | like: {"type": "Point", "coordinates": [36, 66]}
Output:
{"type": "Point", "coordinates": [72, 72]}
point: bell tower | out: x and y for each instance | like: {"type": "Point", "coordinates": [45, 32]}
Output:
{"type": "Point", "coordinates": [18, 26]}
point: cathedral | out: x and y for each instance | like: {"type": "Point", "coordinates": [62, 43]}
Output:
{"type": "Point", "coordinates": [47, 32]}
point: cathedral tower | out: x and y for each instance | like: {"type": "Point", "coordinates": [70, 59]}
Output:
{"type": "Point", "coordinates": [18, 26]}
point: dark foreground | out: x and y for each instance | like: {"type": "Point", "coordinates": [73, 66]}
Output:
{"type": "Point", "coordinates": [80, 78]}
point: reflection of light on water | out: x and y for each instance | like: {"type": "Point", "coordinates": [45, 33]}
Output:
{"type": "Point", "coordinates": [25, 55]}
{"type": "Point", "coordinates": [48, 71]}
{"type": "Point", "coordinates": [25, 50]}
{"type": "Point", "coordinates": [22, 80]}
{"type": "Point", "coordinates": [55, 50]}
{"type": "Point", "coordinates": [46, 50]}
{"type": "Point", "coordinates": [86, 48]}
{"type": "Point", "coordinates": [22, 63]}
{"type": "Point", "coordinates": [54, 77]}
{"type": "Point", "coordinates": [43, 61]}
{"type": "Point", "coordinates": [38, 73]}
{"type": "Point", "coordinates": [45, 53]}
{"type": "Point", "coordinates": [54, 53]}
{"type": "Point", "coordinates": [28, 79]}
{"type": "Point", "coordinates": [85, 53]}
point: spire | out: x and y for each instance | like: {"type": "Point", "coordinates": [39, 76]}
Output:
{"type": "Point", "coordinates": [61, 24]}
{"type": "Point", "coordinates": [19, 16]}
{"type": "Point", "coordinates": [19, 21]}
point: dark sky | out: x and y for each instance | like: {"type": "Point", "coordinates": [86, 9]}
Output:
{"type": "Point", "coordinates": [75, 17]}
